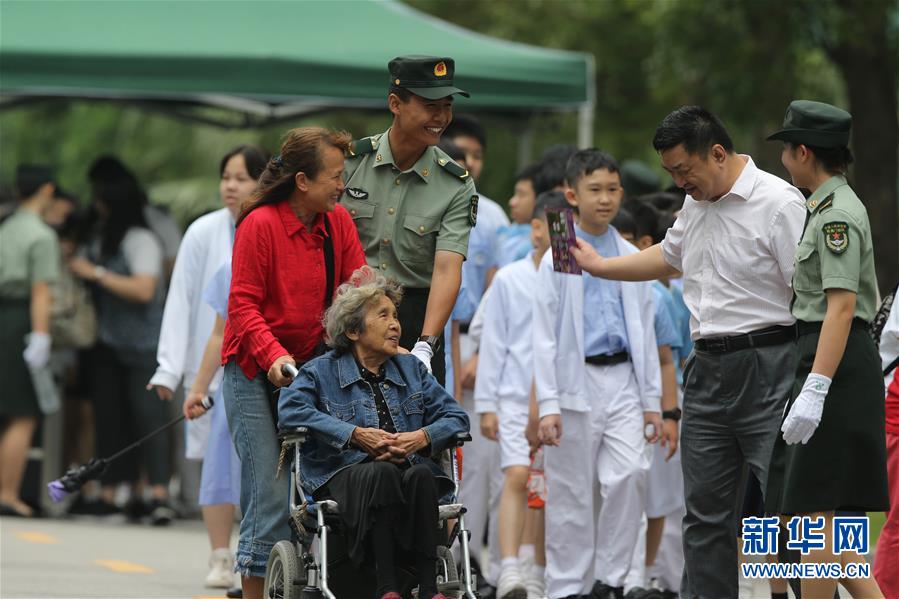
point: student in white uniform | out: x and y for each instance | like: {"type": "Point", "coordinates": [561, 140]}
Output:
{"type": "Point", "coordinates": [598, 388]}
{"type": "Point", "coordinates": [502, 396]}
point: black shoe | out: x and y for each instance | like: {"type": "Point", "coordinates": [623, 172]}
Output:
{"type": "Point", "coordinates": [135, 509]}
{"type": "Point", "coordinates": [161, 513]}
{"type": "Point", "coordinates": [603, 591]}
{"type": "Point", "coordinates": [103, 508]}
{"type": "Point", "coordinates": [641, 593]}
{"type": "Point", "coordinates": [234, 593]}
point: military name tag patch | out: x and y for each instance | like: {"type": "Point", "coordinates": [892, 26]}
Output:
{"type": "Point", "coordinates": [473, 211]}
{"type": "Point", "coordinates": [836, 237]}
{"type": "Point", "coordinates": [356, 193]}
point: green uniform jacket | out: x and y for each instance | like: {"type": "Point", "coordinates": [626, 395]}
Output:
{"type": "Point", "coordinates": [835, 252]}
{"type": "Point", "coordinates": [405, 217]}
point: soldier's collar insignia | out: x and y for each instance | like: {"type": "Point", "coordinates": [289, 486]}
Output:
{"type": "Point", "coordinates": [440, 69]}
{"type": "Point", "coordinates": [473, 211]}
{"type": "Point", "coordinates": [356, 193]}
{"type": "Point", "coordinates": [836, 237]}
{"type": "Point", "coordinates": [820, 205]}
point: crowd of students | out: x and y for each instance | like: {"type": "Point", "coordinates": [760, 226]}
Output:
{"type": "Point", "coordinates": [575, 384]}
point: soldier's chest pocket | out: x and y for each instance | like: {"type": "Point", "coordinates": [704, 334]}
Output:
{"type": "Point", "coordinates": [418, 238]}
{"type": "Point", "coordinates": [807, 276]}
{"type": "Point", "coordinates": [362, 213]}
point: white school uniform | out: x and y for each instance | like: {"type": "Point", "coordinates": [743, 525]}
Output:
{"type": "Point", "coordinates": [187, 320]}
{"type": "Point", "coordinates": [506, 362]}
{"type": "Point", "coordinates": [482, 482]}
{"type": "Point", "coordinates": [602, 454]}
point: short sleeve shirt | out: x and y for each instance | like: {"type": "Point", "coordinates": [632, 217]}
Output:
{"type": "Point", "coordinates": [405, 217]}
{"type": "Point", "coordinates": [666, 332]}
{"type": "Point", "coordinates": [835, 252]}
{"type": "Point", "coordinates": [29, 253]}
{"type": "Point", "coordinates": [216, 292]}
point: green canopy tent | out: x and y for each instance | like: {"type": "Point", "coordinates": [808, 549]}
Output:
{"type": "Point", "coordinates": [268, 59]}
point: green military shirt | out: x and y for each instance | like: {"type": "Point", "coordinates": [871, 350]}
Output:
{"type": "Point", "coordinates": [29, 253]}
{"type": "Point", "coordinates": [835, 253]}
{"type": "Point", "coordinates": [404, 217]}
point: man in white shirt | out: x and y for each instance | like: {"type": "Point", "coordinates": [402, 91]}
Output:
{"type": "Point", "coordinates": [734, 242]}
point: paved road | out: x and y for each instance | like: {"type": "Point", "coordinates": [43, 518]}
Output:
{"type": "Point", "coordinates": [89, 557]}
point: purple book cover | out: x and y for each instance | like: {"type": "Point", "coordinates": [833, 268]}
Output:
{"type": "Point", "coordinates": [562, 238]}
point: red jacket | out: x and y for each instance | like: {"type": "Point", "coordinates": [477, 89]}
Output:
{"type": "Point", "coordinates": [278, 284]}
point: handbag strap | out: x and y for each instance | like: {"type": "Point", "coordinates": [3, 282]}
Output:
{"type": "Point", "coordinates": [329, 263]}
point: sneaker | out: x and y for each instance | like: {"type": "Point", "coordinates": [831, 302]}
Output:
{"type": "Point", "coordinates": [536, 586]}
{"type": "Point", "coordinates": [161, 513]}
{"type": "Point", "coordinates": [221, 564]}
{"type": "Point", "coordinates": [511, 585]}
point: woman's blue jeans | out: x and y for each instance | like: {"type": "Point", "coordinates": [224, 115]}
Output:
{"type": "Point", "coordinates": [263, 497]}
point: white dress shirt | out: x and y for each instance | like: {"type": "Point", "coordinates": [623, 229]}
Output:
{"type": "Point", "coordinates": [737, 254]}
{"type": "Point", "coordinates": [187, 320]}
{"type": "Point", "coordinates": [506, 358]}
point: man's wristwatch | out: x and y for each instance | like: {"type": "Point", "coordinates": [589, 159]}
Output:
{"type": "Point", "coordinates": [432, 340]}
{"type": "Point", "coordinates": [674, 414]}
{"type": "Point", "coordinates": [99, 272]}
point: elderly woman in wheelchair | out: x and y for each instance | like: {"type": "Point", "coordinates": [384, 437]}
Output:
{"type": "Point", "coordinates": [368, 425]}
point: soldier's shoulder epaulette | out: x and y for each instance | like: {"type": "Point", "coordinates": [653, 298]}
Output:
{"type": "Point", "coordinates": [451, 166]}
{"type": "Point", "coordinates": [826, 203]}
{"type": "Point", "coordinates": [360, 147]}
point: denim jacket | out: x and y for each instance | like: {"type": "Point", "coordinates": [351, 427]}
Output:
{"type": "Point", "coordinates": [330, 397]}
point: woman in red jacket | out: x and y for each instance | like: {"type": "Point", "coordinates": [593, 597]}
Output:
{"type": "Point", "coordinates": [293, 245]}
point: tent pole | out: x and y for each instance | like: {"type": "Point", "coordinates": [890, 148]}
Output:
{"type": "Point", "coordinates": [585, 126]}
{"type": "Point", "coordinates": [526, 142]}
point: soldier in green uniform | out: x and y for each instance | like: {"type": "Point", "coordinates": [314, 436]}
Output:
{"type": "Point", "coordinates": [832, 455]}
{"type": "Point", "coordinates": [412, 205]}
{"type": "Point", "coordinates": [29, 263]}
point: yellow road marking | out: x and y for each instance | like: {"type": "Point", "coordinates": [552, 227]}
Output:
{"type": "Point", "coordinates": [122, 566]}
{"type": "Point", "coordinates": [38, 537]}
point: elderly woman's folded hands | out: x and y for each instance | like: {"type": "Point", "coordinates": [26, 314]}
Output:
{"type": "Point", "coordinates": [384, 446]}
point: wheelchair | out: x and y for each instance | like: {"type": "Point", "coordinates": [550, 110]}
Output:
{"type": "Point", "coordinates": [315, 564]}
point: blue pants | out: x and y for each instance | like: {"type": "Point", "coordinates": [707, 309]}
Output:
{"type": "Point", "coordinates": [263, 498]}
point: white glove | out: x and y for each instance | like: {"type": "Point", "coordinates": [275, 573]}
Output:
{"type": "Point", "coordinates": [37, 353]}
{"type": "Point", "coordinates": [423, 352]}
{"type": "Point", "coordinates": [805, 414]}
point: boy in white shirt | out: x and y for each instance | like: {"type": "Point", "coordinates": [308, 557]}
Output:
{"type": "Point", "coordinates": [502, 394]}
{"type": "Point", "coordinates": [598, 388]}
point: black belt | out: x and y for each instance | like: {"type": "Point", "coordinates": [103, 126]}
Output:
{"type": "Point", "coordinates": [608, 359]}
{"type": "Point", "coordinates": [463, 327]}
{"type": "Point", "coordinates": [806, 328]}
{"type": "Point", "coordinates": [762, 338]}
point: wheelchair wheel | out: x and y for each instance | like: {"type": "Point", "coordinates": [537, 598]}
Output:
{"type": "Point", "coordinates": [282, 572]}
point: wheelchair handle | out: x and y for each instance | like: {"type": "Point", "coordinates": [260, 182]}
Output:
{"type": "Point", "coordinates": [289, 370]}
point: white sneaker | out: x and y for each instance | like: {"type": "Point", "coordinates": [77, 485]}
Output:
{"type": "Point", "coordinates": [511, 585]}
{"type": "Point", "coordinates": [536, 586]}
{"type": "Point", "coordinates": [221, 566]}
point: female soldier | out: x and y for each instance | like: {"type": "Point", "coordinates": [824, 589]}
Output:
{"type": "Point", "coordinates": [832, 454]}
{"type": "Point", "coordinates": [29, 254]}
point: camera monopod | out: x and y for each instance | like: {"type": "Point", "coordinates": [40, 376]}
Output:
{"type": "Point", "coordinates": [75, 477]}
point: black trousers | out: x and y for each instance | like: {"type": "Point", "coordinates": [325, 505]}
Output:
{"type": "Point", "coordinates": [412, 317]}
{"type": "Point", "coordinates": [124, 411]}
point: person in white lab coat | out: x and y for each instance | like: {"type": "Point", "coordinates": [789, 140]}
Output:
{"type": "Point", "coordinates": [187, 323]}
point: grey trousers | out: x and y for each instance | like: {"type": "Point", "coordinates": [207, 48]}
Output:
{"type": "Point", "coordinates": [733, 403]}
